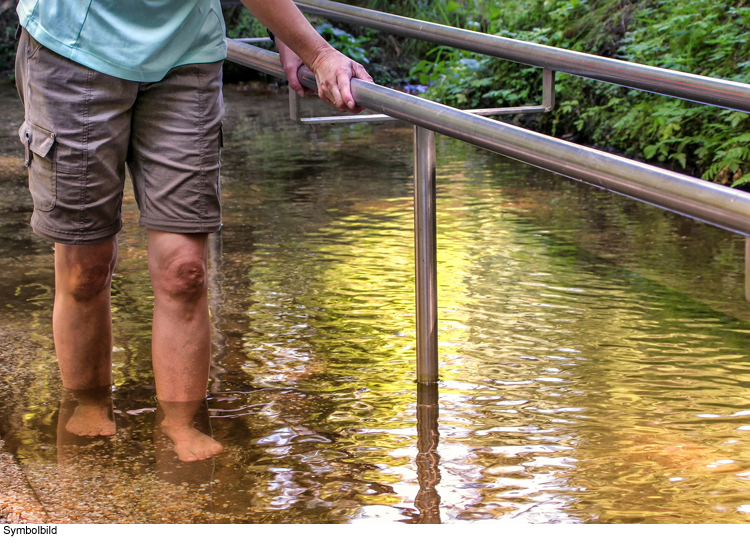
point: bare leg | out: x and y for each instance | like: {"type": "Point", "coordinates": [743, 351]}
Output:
{"type": "Point", "coordinates": [181, 346]}
{"type": "Point", "coordinates": [82, 328]}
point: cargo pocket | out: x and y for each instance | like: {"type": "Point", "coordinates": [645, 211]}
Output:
{"type": "Point", "coordinates": [39, 157]}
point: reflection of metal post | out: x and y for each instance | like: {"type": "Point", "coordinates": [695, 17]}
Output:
{"type": "Point", "coordinates": [428, 460]}
{"type": "Point", "coordinates": [747, 268]}
{"type": "Point", "coordinates": [425, 250]}
{"type": "Point", "coordinates": [218, 339]}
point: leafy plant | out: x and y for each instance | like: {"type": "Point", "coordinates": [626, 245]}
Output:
{"type": "Point", "coordinates": [344, 42]}
{"type": "Point", "coordinates": [707, 38]}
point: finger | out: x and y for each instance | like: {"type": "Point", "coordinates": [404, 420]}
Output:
{"type": "Point", "coordinates": [291, 69]}
{"type": "Point", "coordinates": [361, 73]}
{"type": "Point", "coordinates": [343, 80]}
{"type": "Point", "coordinates": [334, 94]}
{"type": "Point", "coordinates": [294, 83]}
{"type": "Point", "coordinates": [324, 95]}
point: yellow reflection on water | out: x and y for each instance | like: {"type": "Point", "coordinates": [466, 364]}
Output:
{"type": "Point", "coordinates": [592, 368]}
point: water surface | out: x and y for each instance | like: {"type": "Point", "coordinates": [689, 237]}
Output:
{"type": "Point", "coordinates": [593, 351]}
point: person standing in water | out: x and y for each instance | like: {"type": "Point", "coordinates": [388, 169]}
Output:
{"type": "Point", "coordinates": [108, 84]}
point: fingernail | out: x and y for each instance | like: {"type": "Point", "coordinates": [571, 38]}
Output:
{"type": "Point", "coordinates": [351, 105]}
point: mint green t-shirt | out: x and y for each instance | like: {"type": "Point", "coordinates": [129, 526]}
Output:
{"type": "Point", "coordinates": [138, 40]}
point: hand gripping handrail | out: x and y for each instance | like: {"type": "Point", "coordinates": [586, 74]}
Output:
{"type": "Point", "coordinates": [707, 90]}
{"type": "Point", "coordinates": [718, 205]}
{"type": "Point", "coordinates": [705, 201]}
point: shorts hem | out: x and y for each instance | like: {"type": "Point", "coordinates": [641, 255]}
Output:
{"type": "Point", "coordinates": [181, 227]}
{"type": "Point", "coordinates": [74, 238]}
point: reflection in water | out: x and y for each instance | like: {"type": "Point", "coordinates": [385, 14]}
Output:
{"type": "Point", "coordinates": [593, 365]}
{"type": "Point", "coordinates": [428, 460]}
{"type": "Point", "coordinates": [218, 339]}
{"type": "Point", "coordinates": [87, 468]}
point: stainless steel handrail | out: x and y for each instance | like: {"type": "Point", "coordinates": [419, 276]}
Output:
{"type": "Point", "coordinates": [712, 203]}
{"type": "Point", "coordinates": [548, 104]}
{"type": "Point", "coordinates": [705, 201]}
{"type": "Point", "coordinates": [707, 90]}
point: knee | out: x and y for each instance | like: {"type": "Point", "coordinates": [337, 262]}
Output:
{"type": "Point", "coordinates": [87, 281]}
{"type": "Point", "coordinates": [183, 278]}
{"type": "Point", "coordinates": [83, 272]}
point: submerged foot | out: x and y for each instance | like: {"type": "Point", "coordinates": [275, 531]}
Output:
{"type": "Point", "coordinates": [190, 444]}
{"type": "Point", "coordinates": [91, 420]}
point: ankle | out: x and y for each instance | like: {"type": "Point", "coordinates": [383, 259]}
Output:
{"type": "Point", "coordinates": [99, 395]}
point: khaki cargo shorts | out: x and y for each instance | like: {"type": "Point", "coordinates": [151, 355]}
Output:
{"type": "Point", "coordinates": [82, 128]}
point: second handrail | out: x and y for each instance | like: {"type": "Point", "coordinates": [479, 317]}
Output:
{"type": "Point", "coordinates": [712, 203]}
{"type": "Point", "coordinates": [707, 90]}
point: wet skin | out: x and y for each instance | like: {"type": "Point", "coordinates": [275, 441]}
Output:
{"type": "Point", "coordinates": [181, 340]}
{"type": "Point", "coordinates": [178, 424]}
{"type": "Point", "coordinates": [93, 414]}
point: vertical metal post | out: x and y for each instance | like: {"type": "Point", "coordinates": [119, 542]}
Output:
{"type": "Point", "coordinates": [425, 250]}
{"type": "Point", "coordinates": [293, 106]}
{"type": "Point", "coordinates": [548, 90]}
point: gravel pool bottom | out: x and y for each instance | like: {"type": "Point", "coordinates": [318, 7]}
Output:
{"type": "Point", "coordinates": [593, 351]}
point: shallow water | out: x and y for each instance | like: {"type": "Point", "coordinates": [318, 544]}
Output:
{"type": "Point", "coordinates": [594, 351]}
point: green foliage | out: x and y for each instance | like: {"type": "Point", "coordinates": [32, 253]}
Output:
{"type": "Point", "coordinates": [8, 24]}
{"type": "Point", "coordinates": [242, 24]}
{"type": "Point", "coordinates": [698, 36]}
{"type": "Point", "coordinates": [344, 42]}
{"type": "Point", "coordinates": [707, 38]}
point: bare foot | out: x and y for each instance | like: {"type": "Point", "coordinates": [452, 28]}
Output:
{"type": "Point", "coordinates": [91, 420]}
{"type": "Point", "coordinates": [190, 444]}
